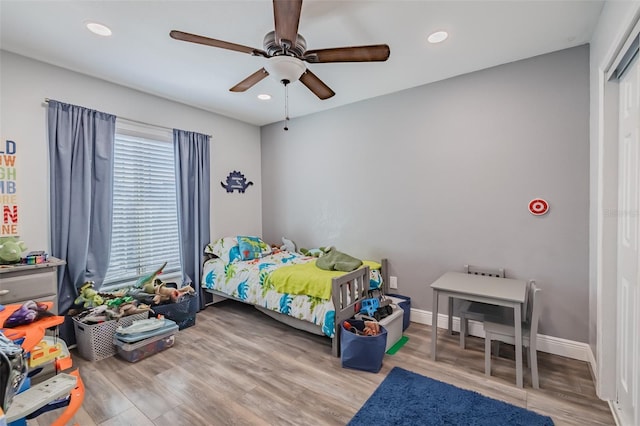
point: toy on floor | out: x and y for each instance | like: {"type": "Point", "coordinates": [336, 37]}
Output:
{"type": "Point", "coordinates": [26, 314]}
{"type": "Point", "coordinates": [13, 370]}
{"type": "Point", "coordinates": [29, 342]}
{"type": "Point", "coordinates": [373, 307]}
{"type": "Point", "coordinates": [104, 313]}
{"type": "Point", "coordinates": [371, 328]}
{"type": "Point", "coordinates": [88, 296]}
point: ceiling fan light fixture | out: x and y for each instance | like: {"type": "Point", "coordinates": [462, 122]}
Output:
{"type": "Point", "coordinates": [437, 37]}
{"type": "Point", "coordinates": [264, 97]}
{"type": "Point", "coordinates": [285, 68]}
{"type": "Point", "coordinates": [99, 29]}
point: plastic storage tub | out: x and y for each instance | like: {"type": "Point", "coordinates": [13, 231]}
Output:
{"type": "Point", "coordinates": [134, 347]}
{"type": "Point", "coordinates": [405, 303]}
{"type": "Point", "coordinates": [393, 324]}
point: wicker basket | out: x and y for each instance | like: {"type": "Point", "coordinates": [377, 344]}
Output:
{"type": "Point", "coordinates": [95, 341]}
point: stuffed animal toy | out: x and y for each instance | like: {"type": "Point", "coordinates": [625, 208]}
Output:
{"type": "Point", "coordinates": [26, 314]}
{"type": "Point", "coordinates": [131, 309]}
{"type": "Point", "coordinates": [162, 293]}
{"type": "Point", "coordinates": [149, 278]}
{"type": "Point", "coordinates": [288, 245]}
{"type": "Point", "coordinates": [315, 252]}
{"type": "Point", "coordinates": [11, 249]}
{"type": "Point", "coordinates": [88, 297]}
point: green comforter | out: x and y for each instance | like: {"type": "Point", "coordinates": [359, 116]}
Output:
{"type": "Point", "coordinates": [307, 278]}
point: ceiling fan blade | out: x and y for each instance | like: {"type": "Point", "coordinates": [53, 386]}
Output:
{"type": "Point", "coordinates": [286, 16]}
{"type": "Point", "coordinates": [316, 85]}
{"type": "Point", "coordinates": [376, 52]}
{"type": "Point", "coordinates": [193, 38]}
{"type": "Point", "coordinates": [248, 82]}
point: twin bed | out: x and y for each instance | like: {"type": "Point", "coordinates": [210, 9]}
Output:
{"type": "Point", "coordinates": [288, 286]}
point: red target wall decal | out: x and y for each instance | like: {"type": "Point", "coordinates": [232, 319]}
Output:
{"type": "Point", "coordinates": [538, 207]}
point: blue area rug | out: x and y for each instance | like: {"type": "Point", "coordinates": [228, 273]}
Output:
{"type": "Point", "coordinates": [407, 398]}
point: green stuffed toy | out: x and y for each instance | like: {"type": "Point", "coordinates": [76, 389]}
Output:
{"type": "Point", "coordinates": [315, 252]}
{"type": "Point", "coordinates": [149, 278]}
{"type": "Point", "coordinates": [88, 297]}
{"type": "Point", "coordinates": [11, 249]}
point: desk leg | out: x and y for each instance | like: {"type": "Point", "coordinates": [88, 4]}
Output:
{"type": "Point", "coordinates": [517, 320]}
{"type": "Point", "coordinates": [434, 325]}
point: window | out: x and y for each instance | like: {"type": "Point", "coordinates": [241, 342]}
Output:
{"type": "Point", "coordinates": [145, 215]}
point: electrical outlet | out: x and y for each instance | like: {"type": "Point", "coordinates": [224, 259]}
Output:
{"type": "Point", "coordinates": [393, 282]}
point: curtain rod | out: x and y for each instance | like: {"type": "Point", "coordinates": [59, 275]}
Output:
{"type": "Point", "coordinates": [46, 100]}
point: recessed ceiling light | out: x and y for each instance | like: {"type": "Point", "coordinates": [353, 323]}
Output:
{"type": "Point", "coordinates": [101, 30]}
{"type": "Point", "coordinates": [264, 97]}
{"type": "Point", "coordinates": [438, 37]}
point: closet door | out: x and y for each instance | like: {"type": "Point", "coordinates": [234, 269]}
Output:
{"type": "Point", "coordinates": [628, 355]}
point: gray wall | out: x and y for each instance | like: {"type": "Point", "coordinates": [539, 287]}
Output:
{"type": "Point", "coordinates": [440, 175]}
{"type": "Point", "coordinates": [25, 83]}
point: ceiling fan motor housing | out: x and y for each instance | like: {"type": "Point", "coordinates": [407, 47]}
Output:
{"type": "Point", "coordinates": [273, 48]}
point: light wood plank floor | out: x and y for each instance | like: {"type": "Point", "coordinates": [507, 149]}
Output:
{"type": "Point", "coordinates": [237, 366]}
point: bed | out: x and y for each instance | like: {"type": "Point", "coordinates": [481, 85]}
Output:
{"type": "Point", "coordinates": [288, 286]}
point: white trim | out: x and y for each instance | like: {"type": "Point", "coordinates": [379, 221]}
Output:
{"type": "Point", "coordinates": [622, 50]}
{"type": "Point", "coordinates": [549, 344]}
{"type": "Point", "coordinates": [614, 412]}
{"type": "Point", "coordinates": [594, 366]}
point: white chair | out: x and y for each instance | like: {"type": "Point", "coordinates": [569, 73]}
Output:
{"type": "Point", "coordinates": [478, 311]}
{"type": "Point", "coordinates": [504, 332]}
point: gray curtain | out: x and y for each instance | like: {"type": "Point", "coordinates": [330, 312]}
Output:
{"type": "Point", "coordinates": [81, 180]}
{"type": "Point", "coordinates": [192, 187]}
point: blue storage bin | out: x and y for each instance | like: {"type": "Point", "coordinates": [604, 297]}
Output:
{"type": "Point", "coordinates": [405, 304]}
{"type": "Point", "coordinates": [362, 352]}
{"type": "Point", "coordinates": [183, 312]}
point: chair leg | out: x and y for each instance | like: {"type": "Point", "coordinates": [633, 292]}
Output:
{"type": "Point", "coordinates": [463, 331]}
{"type": "Point", "coordinates": [450, 317]}
{"type": "Point", "coordinates": [534, 367]}
{"type": "Point", "coordinates": [487, 355]}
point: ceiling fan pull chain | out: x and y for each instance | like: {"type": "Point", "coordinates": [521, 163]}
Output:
{"type": "Point", "coordinates": [286, 104]}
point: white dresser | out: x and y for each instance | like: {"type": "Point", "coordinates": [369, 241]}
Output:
{"type": "Point", "coordinates": [20, 283]}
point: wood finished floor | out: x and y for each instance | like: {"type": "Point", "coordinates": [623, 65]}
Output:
{"type": "Point", "coordinates": [237, 366]}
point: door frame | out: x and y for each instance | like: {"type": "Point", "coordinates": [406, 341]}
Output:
{"type": "Point", "coordinates": [607, 220]}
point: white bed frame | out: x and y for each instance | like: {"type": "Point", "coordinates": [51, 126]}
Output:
{"type": "Point", "coordinates": [345, 291]}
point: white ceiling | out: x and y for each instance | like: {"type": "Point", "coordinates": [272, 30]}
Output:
{"type": "Point", "coordinates": [141, 55]}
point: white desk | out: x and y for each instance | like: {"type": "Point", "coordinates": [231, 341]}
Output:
{"type": "Point", "coordinates": [496, 291]}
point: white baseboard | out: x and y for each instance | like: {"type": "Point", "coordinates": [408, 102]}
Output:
{"type": "Point", "coordinates": [549, 344]}
{"type": "Point", "coordinates": [614, 412]}
{"type": "Point", "coordinates": [594, 365]}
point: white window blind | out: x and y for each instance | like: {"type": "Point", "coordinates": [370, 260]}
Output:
{"type": "Point", "coordinates": [145, 216]}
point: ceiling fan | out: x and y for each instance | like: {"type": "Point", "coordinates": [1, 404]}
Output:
{"type": "Point", "coordinates": [286, 52]}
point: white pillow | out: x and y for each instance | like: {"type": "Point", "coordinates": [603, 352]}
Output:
{"type": "Point", "coordinates": [221, 247]}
